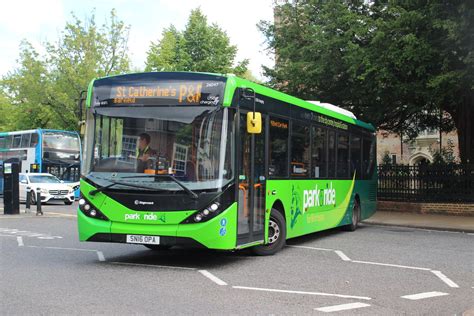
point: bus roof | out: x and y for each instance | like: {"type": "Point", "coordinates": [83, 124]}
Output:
{"type": "Point", "coordinates": [233, 82]}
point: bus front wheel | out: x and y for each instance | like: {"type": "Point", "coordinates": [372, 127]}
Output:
{"type": "Point", "coordinates": [276, 235]}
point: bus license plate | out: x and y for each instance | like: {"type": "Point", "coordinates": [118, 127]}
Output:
{"type": "Point", "coordinates": [141, 239]}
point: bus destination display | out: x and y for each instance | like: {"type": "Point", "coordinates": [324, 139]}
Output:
{"type": "Point", "coordinates": [160, 93]}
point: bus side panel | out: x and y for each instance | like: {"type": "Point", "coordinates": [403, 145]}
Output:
{"type": "Point", "coordinates": [312, 205]}
{"type": "Point", "coordinates": [367, 190]}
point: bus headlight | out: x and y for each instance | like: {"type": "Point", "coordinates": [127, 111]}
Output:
{"type": "Point", "coordinates": [90, 211]}
{"type": "Point", "coordinates": [204, 215]}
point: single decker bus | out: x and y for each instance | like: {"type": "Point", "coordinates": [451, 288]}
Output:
{"type": "Point", "coordinates": [216, 161]}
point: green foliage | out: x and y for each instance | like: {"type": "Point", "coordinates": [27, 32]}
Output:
{"type": "Point", "coordinates": [386, 159]}
{"type": "Point", "coordinates": [6, 119]}
{"type": "Point", "coordinates": [44, 90]}
{"type": "Point", "coordinates": [395, 63]}
{"type": "Point", "coordinates": [200, 47]}
{"type": "Point", "coordinates": [445, 155]}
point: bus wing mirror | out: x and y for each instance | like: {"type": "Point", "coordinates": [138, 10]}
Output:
{"type": "Point", "coordinates": [254, 122]}
{"type": "Point", "coordinates": [248, 93]}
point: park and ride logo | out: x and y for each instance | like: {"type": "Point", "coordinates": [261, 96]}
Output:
{"type": "Point", "coordinates": [319, 197]}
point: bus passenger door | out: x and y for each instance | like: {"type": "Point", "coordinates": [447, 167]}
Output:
{"type": "Point", "coordinates": [251, 184]}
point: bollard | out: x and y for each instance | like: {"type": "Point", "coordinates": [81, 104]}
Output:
{"type": "Point", "coordinates": [38, 202]}
{"type": "Point", "coordinates": [28, 200]}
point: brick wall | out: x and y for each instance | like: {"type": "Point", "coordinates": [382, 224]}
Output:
{"type": "Point", "coordinates": [461, 209]}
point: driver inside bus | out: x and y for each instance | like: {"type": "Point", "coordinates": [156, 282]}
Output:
{"type": "Point", "coordinates": [144, 152]}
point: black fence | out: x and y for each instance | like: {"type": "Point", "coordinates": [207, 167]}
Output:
{"type": "Point", "coordinates": [426, 183]}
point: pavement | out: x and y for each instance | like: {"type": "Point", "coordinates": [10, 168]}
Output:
{"type": "Point", "coordinates": [425, 221]}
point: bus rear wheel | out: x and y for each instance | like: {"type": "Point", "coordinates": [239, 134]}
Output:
{"type": "Point", "coordinates": [276, 235]}
{"type": "Point", "coordinates": [355, 218]}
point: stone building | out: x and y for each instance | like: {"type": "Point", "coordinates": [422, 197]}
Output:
{"type": "Point", "coordinates": [416, 151]}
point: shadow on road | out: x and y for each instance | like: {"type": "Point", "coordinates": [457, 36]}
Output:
{"type": "Point", "coordinates": [184, 257]}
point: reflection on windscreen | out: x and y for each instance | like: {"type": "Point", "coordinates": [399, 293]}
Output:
{"type": "Point", "coordinates": [183, 142]}
{"type": "Point", "coordinates": [43, 179]}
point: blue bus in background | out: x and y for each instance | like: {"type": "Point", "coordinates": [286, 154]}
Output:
{"type": "Point", "coordinates": [43, 150]}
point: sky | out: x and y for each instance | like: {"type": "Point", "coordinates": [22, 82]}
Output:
{"type": "Point", "coordinates": [43, 21]}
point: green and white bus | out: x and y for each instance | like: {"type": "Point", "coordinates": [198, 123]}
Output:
{"type": "Point", "coordinates": [229, 164]}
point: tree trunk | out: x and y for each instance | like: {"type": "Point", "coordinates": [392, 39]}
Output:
{"type": "Point", "coordinates": [464, 120]}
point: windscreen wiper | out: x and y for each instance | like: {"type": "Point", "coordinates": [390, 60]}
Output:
{"type": "Point", "coordinates": [158, 176]}
{"type": "Point", "coordinates": [104, 188]}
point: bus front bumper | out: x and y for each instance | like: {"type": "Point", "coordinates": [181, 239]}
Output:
{"type": "Point", "coordinates": [218, 233]}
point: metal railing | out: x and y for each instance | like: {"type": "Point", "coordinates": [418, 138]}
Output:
{"type": "Point", "coordinates": [426, 183]}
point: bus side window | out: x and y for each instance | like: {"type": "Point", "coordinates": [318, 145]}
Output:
{"type": "Point", "coordinates": [332, 154]}
{"type": "Point", "coordinates": [300, 150]}
{"type": "Point", "coordinates": [278, 166]}
{"type": "Point", "coordinates": [319, 152]}
{"type": "Point", "coordinates": [16, 141]}
{"type": "Point", "coordinates": [367, 158]}
{"type": "Point", "coordinates": [356, 154]}
{"type": "Point", "coordinates": [3, 142]}
{"type": "Point", "coordinates": [34, 140]}
{"type": "Point", "coordinates": [342, 155]}
{"type": "Point", "coordinates": [25, 140]}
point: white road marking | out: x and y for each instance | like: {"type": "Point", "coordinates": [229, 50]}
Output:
{"type": "Point", "coordinates": [62, 214]}
{"type": "Point", "coordinates": [342, 255]}
{"type": "Point", "coordinates": [302, 292]}
{"type": "Point", "coordinates": [26, 233]}
{"type": "Point", "coordinates": [100, 255]}
{"type": "Point", "coordinates": [343, 307]}
{"type": "Point", "coordinates": [61, 248]}
{"type": "Point", "coordinates": [313, 248]}
{"type": "Point", "coordinates": [19, 239]}
{"type": "Point", "coordinates": [150, 265]}
{"type": "Point", "coordinates": [444, 278]}
{"type": "Point", "coordinates": [421, 296]}
{"type": "Point", "coordinates": [212, 277]}
{"type": "Point", "coordinates": [391, 265]}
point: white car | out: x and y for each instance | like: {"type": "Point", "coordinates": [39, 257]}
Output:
{"type": "Point", "coordinates": [52, 189]}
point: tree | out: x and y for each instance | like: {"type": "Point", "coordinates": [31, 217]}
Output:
{"type": "Point", "coordinates": [6, 119]}
{"type": "Point", "coordinates": [47, 88]}
{"type": "Point", "coordinates": [200, 47]}
{"type": "Point", "coordinates": [396, 64]}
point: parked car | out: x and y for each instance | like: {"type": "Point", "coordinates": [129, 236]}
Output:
{"type": "Point", "coordinates": [52, 189]}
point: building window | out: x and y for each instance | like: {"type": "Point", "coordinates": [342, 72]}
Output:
{"type": "Point", "coordinates": [180, 156]}
{"type": "Point", "coordinates": [129, 147]}
{"type": "Point", "coordinates": [278, 148]}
